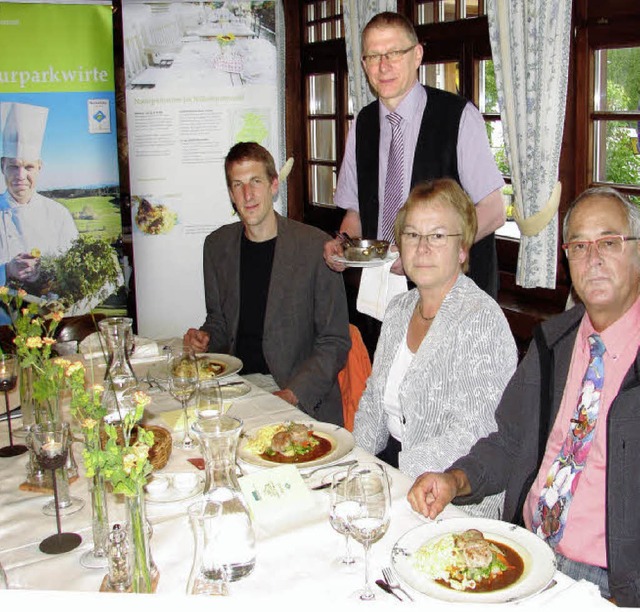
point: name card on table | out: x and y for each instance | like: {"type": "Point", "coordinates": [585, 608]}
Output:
{"type": "Point", "coordinates": [278, 498]}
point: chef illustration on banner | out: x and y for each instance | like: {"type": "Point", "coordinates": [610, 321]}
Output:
{"type": "Point", "coordinates": [37, 233]}
{"type": "Point", "coordinates": [32, 225]}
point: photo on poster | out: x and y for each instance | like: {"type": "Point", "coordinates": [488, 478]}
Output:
{"type": "Point", "coordinates": [221, 44]}
{"type": "Point", "coordinates": [59, 200]}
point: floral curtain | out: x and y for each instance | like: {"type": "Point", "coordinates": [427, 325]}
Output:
{"type": "Point", "coordinates": [356, 14]}
{"type": "Point", "coordinates": [530, 46]}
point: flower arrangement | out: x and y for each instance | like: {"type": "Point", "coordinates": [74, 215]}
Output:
{"type": "Point", "coordinates": [34, 339]}
{"type": "Point", "coordinates": [225, 39]}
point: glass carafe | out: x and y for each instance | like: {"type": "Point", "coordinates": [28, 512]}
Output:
{"type": "Point", "coordinates": [236, 543]}
{"type": "Point", "coordinates": [119, 376]}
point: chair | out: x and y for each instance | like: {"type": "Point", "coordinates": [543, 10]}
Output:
{"type": "Point", "coordinates": [353, 377]}
{"type": "Point", "coordinates": [73, 330]}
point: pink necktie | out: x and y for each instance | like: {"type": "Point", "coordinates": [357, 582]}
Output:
{"type": "Point", "coordinates": [394, 180]}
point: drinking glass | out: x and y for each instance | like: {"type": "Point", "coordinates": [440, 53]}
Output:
{"type": "Point", "coordinates": [208, 399]}
{"type": "Point", "coordinates": [367, 486]}
{"type": "Point", "coordinates": [340, 511]}
{"type": "Point", "coordinates": [183, 382]}
{"type": "Point", "coordinates": [8, 380]}
{"type": "Point", "coordinates": [51, 442]}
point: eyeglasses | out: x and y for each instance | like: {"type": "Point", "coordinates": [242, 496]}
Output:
{"type": "Point", "coordinates": [436, 240]}
{"type": "Point", "coordinates": [390, 56]}
{"type": "Point", "coordinates": [607, 246]}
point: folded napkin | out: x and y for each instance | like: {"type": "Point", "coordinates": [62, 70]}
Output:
{"type": "Point", "coordinates": [377, 286]}
{"type": "Point", "coordinates": [143, 348]}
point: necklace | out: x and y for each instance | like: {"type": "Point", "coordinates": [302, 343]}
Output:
{"type": "Point", "coordinates": [419, 311]}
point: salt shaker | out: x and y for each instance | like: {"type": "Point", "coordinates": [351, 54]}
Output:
{"type": "Point", "coordinates": [119, 571]}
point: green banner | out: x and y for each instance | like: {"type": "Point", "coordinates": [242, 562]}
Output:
{"type": "Point", "coordinates": [61, 54]}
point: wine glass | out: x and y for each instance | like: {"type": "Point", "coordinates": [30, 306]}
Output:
{"type": "Point", "coordinates": [8, 380]}
{"type": "Point", "coordinates": [367, 486]}
{"type": "Point", "coordinates": [183, 382]}
{"type": "Point", "coordinates": [208, 399]}
{"type": "Point", "coordinates": [340, 511]}
{"type": "Point", "coordinates": [51, 444]}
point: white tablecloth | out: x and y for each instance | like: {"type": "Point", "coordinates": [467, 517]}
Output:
{"type": "Point", "coordinates": [295, 566]}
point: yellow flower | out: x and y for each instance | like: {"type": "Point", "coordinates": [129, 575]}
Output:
{"type": "Point", "coordinates": [141, 398]}
{"type": "Point", "coordinates": [76, 366]}
{"type": "Point", "coordinates": [89, 423]}
{"type": "Point", "coordinates": [57, 316]}
{"type": "Point", "coordinates": [21, 293]}
{"type": "Point", "coordinates": [4, 290]}
{"type": "Point", "coordinates": [61, 361]}
{"type": "Point", "coordinates": [129, 462]}
{"type": "Point", "coordinates": [49, 341]}
{"type": "Point", "coordinates": [97, 388]}
{"type": "Point", "coordinates": [34, 342]}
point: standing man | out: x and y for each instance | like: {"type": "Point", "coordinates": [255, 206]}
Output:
{"type": "Point", "coordinates": [567, 448]}
{"type": "Point", "coordinates": [412, 134]}
{"type": "Point", "coordinates": [30, 224]}
{"type": "Point", "coordinates": [271, 300]}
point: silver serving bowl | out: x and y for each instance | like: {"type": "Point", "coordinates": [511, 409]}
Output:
{"type": "Point", "coordinates": [366, 250]}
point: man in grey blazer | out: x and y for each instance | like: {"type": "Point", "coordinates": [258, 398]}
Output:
{"type": "Point", "coordinates": [270, 298]}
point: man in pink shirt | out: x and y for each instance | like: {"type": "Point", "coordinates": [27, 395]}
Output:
{"type": "Point", "coordinates": [567, 448]}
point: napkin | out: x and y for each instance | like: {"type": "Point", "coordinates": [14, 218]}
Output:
{"type": "Point", "coordinates": [143, 348]}
{"type": "Point", "coordinates": [377, 286]}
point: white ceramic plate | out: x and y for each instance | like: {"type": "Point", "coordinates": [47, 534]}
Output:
{"type": "Point", "coordinates": [374, 263]}
{"type": "Point", "coordinates": [539, 561]}
{"type": "Point", "coordinates": [232, 365]}
{"type": "Point", "coordinates": [341, 439]}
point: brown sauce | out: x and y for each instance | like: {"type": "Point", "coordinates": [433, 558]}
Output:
{"type": "Point", "coordinates": [505, 579]}
{"type": "Point", "coordinates": [320, 450]}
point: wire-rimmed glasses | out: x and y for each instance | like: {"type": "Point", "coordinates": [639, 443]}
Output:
{"type": "Point", "coordinates": [606, 246]}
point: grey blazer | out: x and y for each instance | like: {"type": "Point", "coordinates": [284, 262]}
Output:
{"type": "Point", "coordinates": [450, 392]}
{"type": "Point", "coordinates": [306, 324]}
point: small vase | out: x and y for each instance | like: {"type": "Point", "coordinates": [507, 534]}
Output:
{"type": "Point", "coordinates": [26, 398]}
{"type": "Point", "coordinates": [98, 556]}
{"type": "Point", "coordinates": [141, 575]}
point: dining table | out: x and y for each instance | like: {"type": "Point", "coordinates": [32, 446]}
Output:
{"type": "Point", "coordinates": [295, 561]}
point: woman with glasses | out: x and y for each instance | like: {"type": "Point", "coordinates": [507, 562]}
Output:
{"type": "Point", "coordinates": [445, 351]}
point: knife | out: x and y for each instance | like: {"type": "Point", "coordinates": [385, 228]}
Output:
{"type": "Point", "coordinates": [387, 589]}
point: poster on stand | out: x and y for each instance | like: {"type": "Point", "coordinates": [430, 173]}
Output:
{"type": "Point", "coordinates": [60, 219]}
{"type": "Point", "coordinates": [200, 76]}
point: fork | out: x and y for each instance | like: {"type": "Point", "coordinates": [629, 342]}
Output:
{"type": "Point", "coordinates": [324, 467]}
{"type": "Point", "coordinates": [393, 582]}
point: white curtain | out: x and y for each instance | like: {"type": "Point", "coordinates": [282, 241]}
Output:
{"type": "Point", "coordinates": [356, 15]}
{"type": "Point", "coordinates": [530, 47]}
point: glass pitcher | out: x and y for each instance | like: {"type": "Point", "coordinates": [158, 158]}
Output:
{"type": "Point", "coordinates": [236, 543]}
{"type": "Point", "coordinates": [119, 376]}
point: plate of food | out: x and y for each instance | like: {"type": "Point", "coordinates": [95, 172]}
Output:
{"type": "Point", "coordinates": [301, 443]}
{"type": "Point", "coordinates": [473, 560]}
{"type": "Point", "coordinates": [210, 365]}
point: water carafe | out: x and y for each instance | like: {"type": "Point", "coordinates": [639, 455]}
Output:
{"type": "Point", "coordinates": [236, 543]}
{"type": "Point", "coordinates": [119, 376]}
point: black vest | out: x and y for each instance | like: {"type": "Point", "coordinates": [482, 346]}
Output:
{"type": "Point", "coordinates": [435, 157]}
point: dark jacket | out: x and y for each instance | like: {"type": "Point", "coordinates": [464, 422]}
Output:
{"type": "Point", "coordinates": [509, 458]}
{"type": "Point", "coordinates": [306, 323]}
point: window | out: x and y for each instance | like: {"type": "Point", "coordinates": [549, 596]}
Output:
{"type": "Point", "coordinates": [323, 20]}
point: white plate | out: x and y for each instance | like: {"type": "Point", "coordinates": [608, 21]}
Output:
{"type": "Point", "coordinates": [341, 439]}
{"type": "Point", "coordinates": [233, 365]}
{"type": "Point", "coordinates": [539, 560]}
{"type": "Point", "coordinates": [374, 263]}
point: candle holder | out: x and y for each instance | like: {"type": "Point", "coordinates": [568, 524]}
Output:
{"type": "Point", "coordinates": [8, 380]}
{"type": "Point", "coordinates": [51, 444]}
